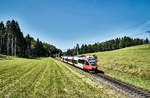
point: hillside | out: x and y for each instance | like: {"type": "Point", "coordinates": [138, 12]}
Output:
{"type": "Point", "coordinates": [130, 64]}
{"type": "Point", "coordinates": [47, 77]}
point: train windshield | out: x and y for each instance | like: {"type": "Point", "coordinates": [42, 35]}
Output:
{"type": "Point", "coordinates": [92, 62]}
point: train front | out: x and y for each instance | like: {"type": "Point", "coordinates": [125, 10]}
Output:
{"type": "Point", "coordinates": [92, 63]}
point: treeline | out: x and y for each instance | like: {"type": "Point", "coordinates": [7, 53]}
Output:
{"type": "Point", "coordinates": [13, 42]}
{"type": "Point", "coordinates": [113, 44]}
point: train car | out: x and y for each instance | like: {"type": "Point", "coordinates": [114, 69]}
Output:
{"type": "Point", "coordinates": [70, 60]}
{"type": "Point", "coordinates": [65, 59]}
{"type": "Point", "coordinates": [83, 62]}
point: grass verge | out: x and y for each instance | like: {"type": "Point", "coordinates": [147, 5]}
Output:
{"type": "Point", "coordinates": [47, 77]}
{"type": "Point", "coordinates": [131, 64]}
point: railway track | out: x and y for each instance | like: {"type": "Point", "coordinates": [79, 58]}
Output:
{"type": "Point", "coordinates": [123, 87]}
{"type": "Point", "coordinates": [127, 89]}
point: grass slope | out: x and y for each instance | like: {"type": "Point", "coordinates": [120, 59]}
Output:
{"type": "Point", "coordinates": [47, 77]}
{"type": "Point", "coordinates": [129, 64]}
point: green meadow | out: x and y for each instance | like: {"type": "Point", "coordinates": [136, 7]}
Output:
{"type": "Point", "coordinates": [47, 78]}
{"type": "Point", "coordinates": [130, 64]}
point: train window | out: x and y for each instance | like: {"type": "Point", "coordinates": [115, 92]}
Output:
{"type": "Point", "coordinates": [74, 61]}
{"type": "Point", "coordinates": [86, 63]}
{"type": "Point", "coordinates": [81, 61]}
{"type": "Point", "coordinates": [70, 60]}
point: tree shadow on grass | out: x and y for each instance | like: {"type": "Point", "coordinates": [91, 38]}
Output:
{"type": "Point", "coordinates": [5, 57]}
{"type": "Point", "coordinates": [34, 58]}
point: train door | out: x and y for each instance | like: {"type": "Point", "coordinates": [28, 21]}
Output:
{"type": "Point", "coordinates": [80, 63]}
{"type": "Point", "coordinates": [86, 65]}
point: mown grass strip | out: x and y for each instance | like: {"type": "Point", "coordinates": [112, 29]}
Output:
{"type": "Point", "coordinates": [48, 78]}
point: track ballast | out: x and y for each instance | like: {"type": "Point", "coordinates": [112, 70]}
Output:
{"type": "Point", "coordinates": [123, 87]}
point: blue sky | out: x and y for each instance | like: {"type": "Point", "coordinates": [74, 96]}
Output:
{"type": "Point", "coordinates": [64, 23]}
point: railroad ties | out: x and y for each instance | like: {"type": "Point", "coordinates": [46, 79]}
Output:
{"type": "Point", "coordinates": [122, 87]}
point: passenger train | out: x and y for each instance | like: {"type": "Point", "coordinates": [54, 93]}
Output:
{"type": "Point", "coordinates": [84, 62]}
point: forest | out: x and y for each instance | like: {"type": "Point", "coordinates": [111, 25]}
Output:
{"type": "Point", "coordinates": [113, 44]}
{"type": "Point", "coordinates": [14, 43]}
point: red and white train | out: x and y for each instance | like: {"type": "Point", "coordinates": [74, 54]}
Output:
{"type": "Point", "coordinates": [84, 62]}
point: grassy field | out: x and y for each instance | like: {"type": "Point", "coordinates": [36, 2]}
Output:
{"type": "Point", "coordinates": [129, 64]}
{"type": "Point", "coordinates": [47, 77]}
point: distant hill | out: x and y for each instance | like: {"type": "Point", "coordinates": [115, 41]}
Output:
{"type": "Point", "coordinates": [130, 64]}
{"type": "Point", "coordinates": [113, 44]}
